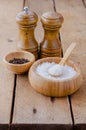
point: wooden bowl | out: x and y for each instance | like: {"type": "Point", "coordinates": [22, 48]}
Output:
{"type": "Point", "coordinates": [19, 68]}
{"type": "Point", "coordinates": [54, 88]}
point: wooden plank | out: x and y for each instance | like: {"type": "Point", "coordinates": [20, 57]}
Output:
{"type": "Point", "coordinates": [33, 110]}
{"type": "Point", "coordinates": [40, 127]}
{"type": "Point", "coordinates": [79, 98]}
{"type": "Point", "coordinates": [4, 127]}
{"type": "Point", "coordinates": [74, 29]}
{"type": "Point", "coordinates": [6, 89]}
{"type": "Point", "coordinates": [7, 39]}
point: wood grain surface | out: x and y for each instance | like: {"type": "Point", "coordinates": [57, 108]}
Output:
{"type": "Point", "coordinates": [7, 44]}
{"type": "Point", "coordinates": [78, 99]}
{"type": "Point", "coordinates": [32, 107]}
{"type": "Point", "coordinates": [74, 30]}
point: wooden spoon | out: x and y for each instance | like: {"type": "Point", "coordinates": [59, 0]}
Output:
{"type": "Point", "coordinates": [57, 70]}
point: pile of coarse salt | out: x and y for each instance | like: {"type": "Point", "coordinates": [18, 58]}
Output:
{"type": "Point", "coordinates": [43, 68]}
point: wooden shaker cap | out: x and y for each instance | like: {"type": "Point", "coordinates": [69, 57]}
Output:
{"type": "Point", "coordinates": [52, 19]}
{"type": "Point", "coordinates": [27, 17]}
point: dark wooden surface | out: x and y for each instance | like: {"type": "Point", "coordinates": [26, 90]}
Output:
{"type": "Point", "coordinates": [21, 107]}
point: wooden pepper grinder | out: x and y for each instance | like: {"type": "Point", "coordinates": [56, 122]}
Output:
{"type": "Point", "coordinates": [27, 21]}
{"type": "Point", "coordinates": [51, 44]}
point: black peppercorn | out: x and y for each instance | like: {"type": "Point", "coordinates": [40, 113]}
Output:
{"type": "Point", "coordinates": [18, 61]}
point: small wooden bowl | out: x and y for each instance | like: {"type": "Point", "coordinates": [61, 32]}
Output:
{"type": "Point", "coordinates": [19, 68]}
{"type": "Point", "coordinates": [54, 88]}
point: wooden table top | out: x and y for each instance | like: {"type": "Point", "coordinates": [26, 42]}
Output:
{"type": "Point", "coordinates": [21, 107]}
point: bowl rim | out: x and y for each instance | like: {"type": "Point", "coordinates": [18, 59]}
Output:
{"type": "Point", "coordinates": [52, 80]}
{"type": "Point", "coordinates": [13, 52]}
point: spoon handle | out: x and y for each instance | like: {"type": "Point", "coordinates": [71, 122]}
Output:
{"type": "Point", "coordinates": [67, 53]}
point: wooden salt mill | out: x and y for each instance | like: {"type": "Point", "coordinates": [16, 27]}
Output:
{"type": "Point", "coordinates": [27, 21]}
{"type": "Point", "coordinates": [51, 44]}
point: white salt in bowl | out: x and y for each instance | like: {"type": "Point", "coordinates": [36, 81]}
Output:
{"type": "Point", "coordinates": [51, 87]}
